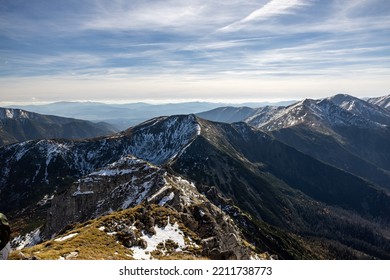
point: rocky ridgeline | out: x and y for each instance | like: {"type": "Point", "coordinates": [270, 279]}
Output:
{"type": "Point", "coordinates": [130, 182]}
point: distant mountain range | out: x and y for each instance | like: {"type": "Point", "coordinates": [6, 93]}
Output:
{"type": "Point", "coordinates": [123, 116]}
{"type": "Point", "coordinates": [344, 131]}
{"type": "Point", "coordinates": [18, 125]}
{"type": "Point", "coordinates": [245, 190]}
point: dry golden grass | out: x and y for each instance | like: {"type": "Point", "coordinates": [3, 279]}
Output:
{"type": "Point", "coordinates": [92, 243]}
{"type": "Point", "coordinates": [89, 244]}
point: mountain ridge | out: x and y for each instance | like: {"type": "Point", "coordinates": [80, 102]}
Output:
{"type": "Point", "coordinates": [18, 125]}
{"type": "Point", "coordinates": [124, 116]}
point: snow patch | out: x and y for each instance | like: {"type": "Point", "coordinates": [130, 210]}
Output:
{"type": "Point", "coordinates": [9, 113]}
{"type": "Point", "coordinates": [28, 240]}
{"type": "Point", "coordinates": [166, 199]}
{"type": "Point", "coordinates": [45, 200]}
{"type": "Point", "coordinates": [21, 151]}
{"type": "Point", "coordinates": [160, 191]}
{"type": "Point", "coordinates": [66, 237]}
{"type": "Point", "coordinates": [53, 150]}
{"type": "Point", "coordinates": [198, 129]}
{"type": "Point", "coordinates": [170, 232]}
{"type": "Point", "coordinates": [79, 192]}
{"type": "Point", "coordinates": [113, 172]}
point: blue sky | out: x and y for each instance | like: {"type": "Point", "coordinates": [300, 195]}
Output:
{"type": "Point", "coordinates": [175, 50]}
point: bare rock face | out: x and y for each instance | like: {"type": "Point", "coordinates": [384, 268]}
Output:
{"type": "Point", "coordinates": [120, 185]}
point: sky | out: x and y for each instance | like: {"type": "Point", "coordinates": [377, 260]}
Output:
{"type": "Point", "coordinates": [174, 50]}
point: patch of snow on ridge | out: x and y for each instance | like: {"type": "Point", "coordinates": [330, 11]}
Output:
{"type": "Point", "coordinates": [79, 192]}
{"type": "Point", "coordinates": [9, 113]}
{"type": "Point", "coordinates": [66, 237]}
{"type": "Point", "coordinates": [125, 165]}
{"type": "Point", "coordinates": [166, 199]}
{"type": "Point", "coordinates": [160, 191]}
{"type": "Point", "coordinates": [198, 129]}
{"type": "Point", "coordinates": [136, 194]}
{"type": "Point", "coordinates": [169, 232]}
{"type": "Point", "coordinates": [53, 150]}
{"type": "Point", "coordinates": [114, 172]}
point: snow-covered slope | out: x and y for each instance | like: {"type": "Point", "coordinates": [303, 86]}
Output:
{"type": "Point", "coordinates": [362, 108]}
{"type": "Point", "coordinates": [162, 139]}
{"type": "Point", "coordinates": [340, 110]}
{"type": "Point", "coordinates": [263, 115]}
{"type": "Point", "coordinates": [227, 114]}
{"type": "Point", "coordinates": [383, 101]}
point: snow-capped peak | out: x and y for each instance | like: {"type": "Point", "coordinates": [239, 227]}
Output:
{"type": "Point", "coordinates": [338, 110]}
{"type": "Point", "coordinates": [383, 101]}
{"type": "Point", "coordinates": [360, 108]}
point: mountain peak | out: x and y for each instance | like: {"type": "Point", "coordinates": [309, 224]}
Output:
{"type": "Point", "coordinates": [162, 139]}
{"type": "Point", "coordinates": [341, 96]}
{"type": "Point", "coordinates": [371, 112]}
{"type": "Point", "coordinates": [345, 101]}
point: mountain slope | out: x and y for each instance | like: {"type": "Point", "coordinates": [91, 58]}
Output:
{"type": "Point", "coordinates": [227, 114]}
{"type": "Point", "coordinates": [18, 125]}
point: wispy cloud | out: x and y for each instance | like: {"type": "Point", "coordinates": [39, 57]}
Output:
{"type": "Point", "coordinates": [274, 7]}
{"type": "Point", "coordinates": [270, 9]}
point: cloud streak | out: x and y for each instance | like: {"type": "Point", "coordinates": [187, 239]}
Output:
{"type": "Point", "coordinates": [270, 9]}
